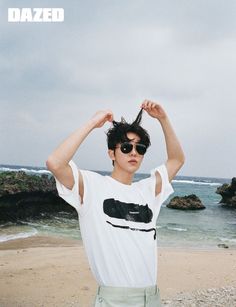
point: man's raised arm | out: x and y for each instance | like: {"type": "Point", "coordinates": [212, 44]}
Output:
{"type": "Point", "coordinates": [58, 160]}
{"type": "Point", "coordinates": [175, 154]}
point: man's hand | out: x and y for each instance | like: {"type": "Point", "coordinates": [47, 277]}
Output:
{"type": "Point", "coordinates": [153, 109]}
{"type": "Point", "coordinates": [101, 117]}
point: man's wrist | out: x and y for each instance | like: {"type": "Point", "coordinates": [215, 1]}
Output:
{"type": "Point", "coordinates": [163, 120]}
{"type": "Point", "coordinates": [89, 125]}
{"type": "Point", "coordinates": [92, 123]}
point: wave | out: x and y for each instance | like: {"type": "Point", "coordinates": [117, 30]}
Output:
{"type": "Point", "coordinates": [7, 224]}
{"type": "Point", "coordinates": [177, 228]}
{"type": "Point", "coordinates": [231, 223]}
{"type": "Point", "coordinates": [179, 179]}
{"type": "Point", "coordinates": [20, 235]}
{"type": "Point", "coordinates": [228, 240]}
{"type": "Point", "coordinates": [197, 182]}
{"type": "Point", "coordinates": [172, 228]}
{"type": "Point", "coordinates": [32, 171]}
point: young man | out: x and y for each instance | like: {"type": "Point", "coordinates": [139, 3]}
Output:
{"type": "Point", "coordinates": [118, 217]}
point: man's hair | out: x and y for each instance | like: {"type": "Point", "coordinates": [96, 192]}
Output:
{"type": "Point", "coordinates": [118, 133]}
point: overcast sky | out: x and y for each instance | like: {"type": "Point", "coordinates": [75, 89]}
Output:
{"type": "Point", "coordinates": [115, 54]}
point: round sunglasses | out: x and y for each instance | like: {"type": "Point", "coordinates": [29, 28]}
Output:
{"type": "Point", "coordinates": [128, 147]}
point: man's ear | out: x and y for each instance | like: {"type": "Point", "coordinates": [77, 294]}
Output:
{"type": "Point", "coordinates": [111, 154]}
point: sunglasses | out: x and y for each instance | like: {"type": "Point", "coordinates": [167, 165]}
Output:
{"type": "Point", "coordinates": [128, 147]}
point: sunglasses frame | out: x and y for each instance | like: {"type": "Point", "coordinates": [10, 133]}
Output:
{"type": "Point", "coordinates": [137, 146]}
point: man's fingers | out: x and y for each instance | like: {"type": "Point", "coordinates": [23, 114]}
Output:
{"type": "Point", "coordinates": [144, 104]}
{"type": "Point", "coordinates": [110, 117]}
{"type": "Point", "coordinates": [148, 104]}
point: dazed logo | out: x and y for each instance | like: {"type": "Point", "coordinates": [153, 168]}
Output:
{"type": "Point", "coordinates": [35, 14]}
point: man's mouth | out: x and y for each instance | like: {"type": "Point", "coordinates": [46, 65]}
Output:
{"type": "Point", "coordinates": [133, 161]}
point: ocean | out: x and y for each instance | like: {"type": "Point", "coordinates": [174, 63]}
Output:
{"type": "Point", "coordinates": [200, 229]}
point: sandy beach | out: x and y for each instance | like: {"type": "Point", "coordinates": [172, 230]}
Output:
{"type": "Point", "coordinates": [46, 271]}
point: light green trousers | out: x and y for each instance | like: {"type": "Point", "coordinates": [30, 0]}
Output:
{"type": "Point", "coordinates": [128, 297]}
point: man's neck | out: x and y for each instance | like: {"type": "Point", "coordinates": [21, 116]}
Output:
{"type": "Point", "coordinates": [123, 177]}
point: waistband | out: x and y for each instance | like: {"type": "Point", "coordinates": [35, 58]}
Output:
{"type": "Point", "coordinates": [127, 291]}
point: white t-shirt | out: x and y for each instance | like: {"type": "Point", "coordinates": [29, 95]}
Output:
{"type": "Point", "coordinates": [118, 225]}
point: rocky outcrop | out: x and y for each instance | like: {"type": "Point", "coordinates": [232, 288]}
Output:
{"type": "Point", "coordinates": [18, 182]}
{"type": "Point", "coordinates": [25, 196]}
{"type": "Point", "coordinates": [189, 202]}
{"type": "Point", "coordinates": [228, 193]}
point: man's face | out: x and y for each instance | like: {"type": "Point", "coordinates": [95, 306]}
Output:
{"type": "Point", "coordinates": [129, 162]}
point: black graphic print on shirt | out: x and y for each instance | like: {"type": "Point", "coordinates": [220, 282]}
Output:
{"type": "Point", "coordinates": [129, 212]}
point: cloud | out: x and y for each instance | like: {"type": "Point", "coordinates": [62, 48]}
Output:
{"type": "Point", "coordinates": [113, 55]}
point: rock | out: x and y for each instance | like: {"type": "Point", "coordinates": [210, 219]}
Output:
{"type": "Point", "coordinates": [25, 196]}
{"type": "Point", "coordinates": [228, 193]}
{"type": "Point", "coordinates": [189, 202]}
{"type": "Point", "coordinates": [19, 182]}
{"type": "Point", "coordinates": [224, 297]}
{"type": "Point", "coordinates": [222, 245]}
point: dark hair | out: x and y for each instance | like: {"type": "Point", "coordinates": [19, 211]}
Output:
{"type": "Point", "coordinates": [118, 133]}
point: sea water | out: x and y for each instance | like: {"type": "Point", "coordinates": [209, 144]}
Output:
{"type": "Point", "coordinates": [201, 229]}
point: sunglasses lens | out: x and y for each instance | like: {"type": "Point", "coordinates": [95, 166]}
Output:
{"type": "Point", "coordinates": [141, 149]}
{"type": "Point", "coordinates": [126, 147]}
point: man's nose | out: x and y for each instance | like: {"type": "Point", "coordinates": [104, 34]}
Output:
{"type": "Point", "coordinates": [134, 151]}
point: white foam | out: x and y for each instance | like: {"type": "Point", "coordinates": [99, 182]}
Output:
{"type": "Point", "coordinates": [197, 182]}
{"type": "Point", "coordinates": [20, 235]}
{"type": "Point", "coordinates": [42, 171]}
{"type": "Point", "coordinates": [177, 229]}
{"type": "Point", "coordinates": [228, 240]}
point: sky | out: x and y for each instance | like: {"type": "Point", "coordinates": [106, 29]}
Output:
{"type": "Point", "coordinates": [113, 55]}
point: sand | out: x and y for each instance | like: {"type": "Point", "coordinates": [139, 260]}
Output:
{"type": "Point", "coordinates": [46, 271]}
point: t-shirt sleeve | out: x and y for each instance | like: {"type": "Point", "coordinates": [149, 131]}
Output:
{"type": "Point", "coordinates": [72, 196]}
{"type": "Point", "coordinates": [166, 187]}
